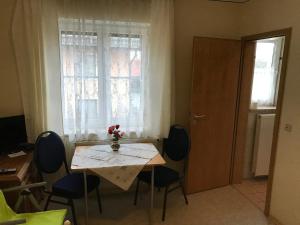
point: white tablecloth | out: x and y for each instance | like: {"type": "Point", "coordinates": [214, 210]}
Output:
{"type": "Point", "coordinates": [121, 167]}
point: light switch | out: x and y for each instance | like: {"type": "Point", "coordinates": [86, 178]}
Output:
{"type": "Point", "coordinates": [288, 127]}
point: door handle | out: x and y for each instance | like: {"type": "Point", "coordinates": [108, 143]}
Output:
{"type": "Point", "coordinates": [199, 116]}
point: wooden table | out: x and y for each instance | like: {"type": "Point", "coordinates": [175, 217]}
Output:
{"type": "Point", "coordinates": [21, 176]}
{"type": "Point", "coordinates": [21, 163]}
{"type": "Point", "coordinates": [156, 161]}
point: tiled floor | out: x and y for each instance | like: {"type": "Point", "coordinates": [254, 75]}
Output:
{"type": "Point", "coordinates": [222, 206]}
{"type": "Point", "coordinates": [254, 190]}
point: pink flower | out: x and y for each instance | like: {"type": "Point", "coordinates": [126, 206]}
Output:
{"type": "Point", "coordinates": [111, 129]}
{"type": "Point", "coordinates": [116, 134]}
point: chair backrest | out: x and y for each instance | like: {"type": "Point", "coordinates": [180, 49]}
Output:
{"type": "Point", "coordinates": [178, 143]}
{"type": "Point", "coordinates": [49, 154]}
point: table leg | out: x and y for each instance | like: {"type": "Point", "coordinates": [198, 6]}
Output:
{"type": "Point", "coordinates": [85, 198]}
{"type": "Point", "coordinates": [152, 195]}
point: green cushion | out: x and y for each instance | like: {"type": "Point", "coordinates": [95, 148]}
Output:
{"type": "Point", "coordinates": [54, 217]}
{"type": "Point", "coordinates": [5, 211]}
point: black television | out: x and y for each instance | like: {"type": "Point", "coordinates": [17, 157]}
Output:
{"type": "Point", "coordinates": [12, 133]}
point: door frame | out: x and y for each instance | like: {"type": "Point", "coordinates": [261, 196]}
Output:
{"type": "Point", "coordinates": [241, 118]}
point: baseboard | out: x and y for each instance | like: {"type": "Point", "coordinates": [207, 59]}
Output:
{"type": "Point", "coordinates": [274, 221]}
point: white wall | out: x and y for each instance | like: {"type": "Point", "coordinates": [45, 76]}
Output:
{"type": "Point", "coordinates": [266, 15]}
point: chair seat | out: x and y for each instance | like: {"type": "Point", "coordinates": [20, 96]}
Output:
{"type": "Point", "coordinates": [72, 185]}
{"type": "Point", "coordinates": [54, 217]}
{"type": "Point", "coordinates": [163, 176]}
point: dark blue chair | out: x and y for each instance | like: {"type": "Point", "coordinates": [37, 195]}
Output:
{"type": "Point", "coordinates": [49, 156]}
{"type": "Point", "coordinates": [176, 146]}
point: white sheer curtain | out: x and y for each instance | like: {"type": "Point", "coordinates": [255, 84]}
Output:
{"type": "Point", "coordinates": [266, 72]}
{"type": "Point", "coordinates": [103, 76]}
{"type": "Point", "coordinates": [108, 62]}
{"type": "Point", "coordinates": [86, 64]}
{"type": "Point", "coordinates": [27, 42]}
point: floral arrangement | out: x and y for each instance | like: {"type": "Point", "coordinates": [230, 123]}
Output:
{"type": "Point", "coordinates": [115, 132]}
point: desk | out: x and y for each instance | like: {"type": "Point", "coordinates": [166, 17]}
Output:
{"type": "Point", "coordinates": [22, 164]}
{"type": "Point", "coordinates": [155, 161]}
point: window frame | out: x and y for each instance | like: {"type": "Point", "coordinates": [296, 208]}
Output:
{"type": "Point", "coordinates": [278, 49]}
{"type": "Point", "coordinates": [103, 38]}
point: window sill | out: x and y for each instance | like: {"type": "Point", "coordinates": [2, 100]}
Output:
{"type": "Point", "coordinates": [264, 109]}
{"type": "Point", "coordinates": [122, 141]}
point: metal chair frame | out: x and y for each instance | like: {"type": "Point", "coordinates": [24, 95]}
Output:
{"type": "Point", "coordinates": [167, 188]}
{"type": "Point", "coordinates": [70, 201]}
{"type": "Point", "coordinates": [25, 192]}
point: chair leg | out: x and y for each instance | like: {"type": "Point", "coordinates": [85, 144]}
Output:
{"type": "Point", "coordinates": [34, 202]}
{"type": "Point", "coordinates": [165, 203]}
{"type": "Point", "coordinates": [71, 202]}
{"type": "Point", "coordinates": [99, 200]}
{"type": "Point", "coordinates": [47, 202]}
{"type": "Point", "coordinates": [136, 191]}
{"type": "Point", "coordinates": [183, 192]}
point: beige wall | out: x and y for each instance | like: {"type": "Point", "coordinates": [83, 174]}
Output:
{"type": "Point", "coordinates": [10, 100]}
{"type": "Point", "coordinates": [197, 18]}
{"type": "Point", "coordinates": [265, 15]}
{"type": "Point", "coordinates": [192, 17]}
{"type": "Point", "coordinates": [213, 19]}
{"type": "Point", "coordinates": [204, 18]}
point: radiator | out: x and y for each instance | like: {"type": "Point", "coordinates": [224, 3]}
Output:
{"type": "Point", "coordinates": [263, 144]}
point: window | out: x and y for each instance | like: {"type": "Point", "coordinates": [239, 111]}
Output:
{"type": "Point", "coordinates": [102, 79]}
{"type": "Point", "coordinates": [266, 72]}
{"type": "Point", "coordinates": [125, 76]}
{"type": "Point", "coordinates": [80, 76]}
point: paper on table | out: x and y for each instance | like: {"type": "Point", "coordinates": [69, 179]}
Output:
{"type": "Point", "coordinates": [16, 154]}
{"type": "Point", "coordinates": [146, 151]}
{"type": "Point", "coordinates": [120, 167]}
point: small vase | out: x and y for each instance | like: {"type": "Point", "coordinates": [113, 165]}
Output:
{"type": "Point", "coordinates": [115, 145]}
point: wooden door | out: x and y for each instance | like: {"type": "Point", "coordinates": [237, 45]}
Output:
{"type": "Point", "coordinates": [213, 105]}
